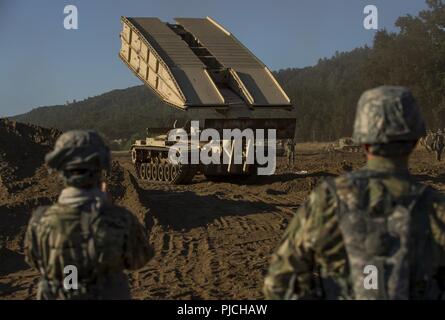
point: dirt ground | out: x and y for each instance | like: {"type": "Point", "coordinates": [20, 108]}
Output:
{"type": "Point", "coordinates": [212, 240]}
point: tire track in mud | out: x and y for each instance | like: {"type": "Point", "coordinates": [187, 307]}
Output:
{"type": "Point", "coordinates": [212, 240]}
{"type": "Point", "coordinates": [209, 257]}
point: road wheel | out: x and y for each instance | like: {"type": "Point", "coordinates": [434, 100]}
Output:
{"type": "Point", "coordinates": [173, 172]}
{"type": "Point", "coordinates": [149, 170]}
{"type": "Point", "coordinates": [134, 155]}
{"type": "Point", "coordinates": [142, 171]}
{"type": "Point", "coordinates": [161, 172]}
{"type": "Point", "coordinates": [154, 172]}
{"type": "Point", "coordinates": [167, 172]}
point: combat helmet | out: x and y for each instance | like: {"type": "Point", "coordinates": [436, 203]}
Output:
{"type": "Point", "coordinates": [80, 157]}
{"type": "Point", "coordinates": [388, 114]}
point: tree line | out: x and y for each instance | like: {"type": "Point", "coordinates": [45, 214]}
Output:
{"type": "Point", "coordinates": [327, 93]}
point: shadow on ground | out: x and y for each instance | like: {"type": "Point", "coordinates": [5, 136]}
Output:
{"type": "Point", "coordinates": [278, 177]}
{"type": "Point", "coordinates": [184, 210]}
{"type": "Point", "coordinates": [11, 262]}
{"type": "Point", "coordinates": [434, 179]}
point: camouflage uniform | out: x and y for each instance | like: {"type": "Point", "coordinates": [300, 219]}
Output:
{"type": "Point", "coordinates": [427, 141]}
{"type": "Point", "coordinates": [290, 152]}
{"type": "Point", "coordinates": [439, 144]}
{"type": "Point", "coordinates": [376, 216]}
{"type": "Point", "coordinates": [83, 229]}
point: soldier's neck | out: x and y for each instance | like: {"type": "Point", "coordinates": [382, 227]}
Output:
{"type": "Point", "coordinates": [387, 163]}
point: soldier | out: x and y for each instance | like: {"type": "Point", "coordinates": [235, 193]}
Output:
{"type": "Point", "coordinates": [439, 144]}
{"type": "Point", "coordinates": [290, 153]}
{"type": "Point", "coordinates": [83, 234]}
{"type": "Point", "coordinates": [374, 233]}
{"type": "Point", "coordinates": [427, 141]}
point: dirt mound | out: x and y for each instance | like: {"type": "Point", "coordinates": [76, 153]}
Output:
{"type": "Point", "coordinates": [115, 181]}
{"type": "Point", "coordinates": [22, 150]}
{"type": "Point", "coordinates": [125, 191]}
{"type": "Point", "coordinates": [24, 185]}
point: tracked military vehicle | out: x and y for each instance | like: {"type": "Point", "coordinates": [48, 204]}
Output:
{"type": "Point", "coordinates": [199, 67]}
{"type": "Point", "coordinates": [345, 145]}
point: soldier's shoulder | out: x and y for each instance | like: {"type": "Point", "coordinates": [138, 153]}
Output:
{"type": "Point", "coordinates": [49, 213]}
{"type": "Point", "coordinates": [342, 187]}
{"type": "Point", "coordinates": [38, 213]}
{"type": "Point", "coordinates": [326, 193]}
{"type": "Point", "coordinates": [36, 216]}
{"type": "Point", "coordinates": [334, 184]}
{"type": "Point", "coordinates": [45, 217]}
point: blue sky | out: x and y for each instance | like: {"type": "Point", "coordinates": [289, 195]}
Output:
{"type": "Point", "coordinates": [44, 64]}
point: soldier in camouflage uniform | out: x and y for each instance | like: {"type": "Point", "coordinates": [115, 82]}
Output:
{"type": "Point", "coordinates": [378, 217]}
{"type": "Point", "coordinates": [439, 144]}
{"type": "Point", "coordinates": [83, 229]}
{"type": "Point", "coordinates": [427, 141]}
{"type": "Point", "coordinates": [290, 152]}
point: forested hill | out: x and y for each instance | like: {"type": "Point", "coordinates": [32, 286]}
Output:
{"type": "Point", "coordinates": [118, 114]}
{"type": "Point", "coordinates": [325, 94]}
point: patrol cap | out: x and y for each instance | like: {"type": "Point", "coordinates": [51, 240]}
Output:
{"type": "Point", "coordinates": [79, 149]}
{"type": "Point", "coordinates": [387, 114]}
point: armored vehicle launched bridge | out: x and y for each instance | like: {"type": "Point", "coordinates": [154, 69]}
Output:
{"type": "Point", "coordinates": [197, 66]}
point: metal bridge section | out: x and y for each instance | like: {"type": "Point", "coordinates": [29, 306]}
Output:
{"type": "Point", "coordinates": [197, 63]}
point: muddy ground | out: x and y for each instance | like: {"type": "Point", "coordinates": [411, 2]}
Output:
{"type": "Point", "coordinates": [212, 240]}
